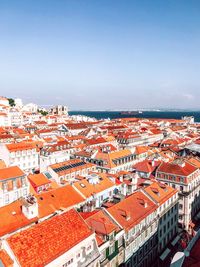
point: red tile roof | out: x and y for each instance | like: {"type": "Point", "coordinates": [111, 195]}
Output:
{"type": "Point", "coordinates": [64, 197]}
{"type": "Point", "coordinates": [12, 218]}
{"type": "Point", "coordinates": [21, 146]}
{"type": "Point", "coordinates": [38, 179]}
{"type": "Point", "coordinates": [131, 211]}
{"type": "Point", "coordinates": [10, 172]}
{"type": "Point", "coordinates": [101, 223]}
{"type": "Point", "coordinates": [44, 242]}
{"type": "Point", "coordinates": [176, 169]}
{"type": "Point", "coordinates": [5, 259]}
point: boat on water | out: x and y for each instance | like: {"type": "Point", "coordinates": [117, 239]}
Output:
{"type": "Point", "coordinates": [130, 112]}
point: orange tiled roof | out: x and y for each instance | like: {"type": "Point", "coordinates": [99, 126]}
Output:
{"type": "Point", "coordinates": [20, 146]}
{"type": "Point", "coordinates": [131, 211]}
{"type": "Point", "coordinates": [141, 149]}
{"type": "Point", "coordinates": [88, 189]}
{"type": "Point", "coordinates": [194, 161]}
{"type": "Point", "coordinates": [109, 157]}
{"type": "Point", "coordinates": [172, 168]}
{"type": "Point", "coordinates": [160, 192]}
{"type": "Point", "coordinates": [101, 223]}
{"type": "Point", "coordinates": [44, 242]}
{"type": "Point", "coordinates": [38, 179]}
{"type": "Point", "coordinates": [64, 197]}
{"type": "Point", "coordinates": [12, 218]}
{"type": "Point", "coordinates": [5, 259]}
{"type": "Point", "coordinates": [10, 172]}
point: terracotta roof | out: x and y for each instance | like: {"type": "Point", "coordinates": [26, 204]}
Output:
{"type": "Point", "coordinates": [101, 223]}
{"type": "Point", "coordinates": [5, 259]}
{"type": "Point", "coordinates": [61, 233]}
{"type": "Point", "coordinates": [20, 146]}
{"type": "Point", "coordinates": [109, 157]}
{"type": "Point", "coordinates": [12, 218]}
{"type": "Point", "coordinates": [10, 172]}
{"type": "Point", "coordinates": [176, 169]}
{"type": "Point", "coordinates": [38, 179]}
{"type": "Point", "coordinates": [194, 161]}
{"type": "Point", "coordinates": [64, 197]}
{"type": "Point", "coordinates": [88, 189]}
{"type": "Point", "coordinates": [160, 192]}
{"type": "Point", "coordinates": [141, 149]}
{"type": "Point", "coordinates": [132, 210]}
{"type": "Point", "coordinates": [145, 166]}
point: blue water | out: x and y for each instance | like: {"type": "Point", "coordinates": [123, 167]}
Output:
{"type": "Point", "coordinates": [145, 114]}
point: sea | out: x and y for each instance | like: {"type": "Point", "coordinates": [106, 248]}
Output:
{"type": "Point", "coordinates": [145, 114]}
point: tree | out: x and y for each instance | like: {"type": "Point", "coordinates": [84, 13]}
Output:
{"type": "Point", "coordinates": [11, 102]}
{"type": "Point", "coordinates": [44, 113]}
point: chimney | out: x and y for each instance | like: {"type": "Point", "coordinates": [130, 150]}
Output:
{"type": "Point", "coordinates": [30, 207]}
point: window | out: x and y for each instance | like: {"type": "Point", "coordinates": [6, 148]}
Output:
{"type": "Point", "coordinates": [78, 255]}
{"type": "Point", "coordinates": [89, 248]}
{"type": "Point", "coordinates": [6, 198]}
{"type": "Point", "coordinates": [112, 249]}
{"type": "Point", "coordinates": [5, 186]}
{"type": "Point", "coordinates": [14, 183]}
{"type": "Point", "coordinates": [120, 242]}
{"type": "Point", "coordinates": [25, 192]}
{"type": "Point", "coordinates": [160, 232]}
{"type": "Point", "coordinates": [16, 195]}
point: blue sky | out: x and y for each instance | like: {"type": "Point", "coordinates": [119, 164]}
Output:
{"type": "Point", "coordinates": [93, 54]}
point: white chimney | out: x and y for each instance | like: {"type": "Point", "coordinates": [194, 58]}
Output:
{"type": "Point", "coordinates": [30, 207]}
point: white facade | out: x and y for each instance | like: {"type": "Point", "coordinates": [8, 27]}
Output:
{"type": "Point", "coordinates": [30, 108]}
{"type": "Point", "coordinates": [27, 160]}
{"type": "Point", "coordinates": [4, 101]}
{"type": "Point", "coordinates": [11, 191]}
{"type": "Point", "coordinates": [56, 157]}
{"type": "Point", "coordinates": [4, 120]}
{"type": "Point", "coordinates": [18, 103]}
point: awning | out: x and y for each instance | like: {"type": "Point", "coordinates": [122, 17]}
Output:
{"type": "Point", "coordinates": [165, 254]}
{"type": "Point", "coordinates": [176, 239]}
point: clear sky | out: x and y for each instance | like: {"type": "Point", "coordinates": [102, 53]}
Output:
{"type": "Point", "coordinates": [101, 54]}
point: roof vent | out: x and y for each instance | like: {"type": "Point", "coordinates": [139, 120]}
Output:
{"type": "Point", "coordinates": [143, 202]}
{"type": "Point", "coordinates": [14, 213]}
{"type": "Point", "coordinates": [125, 214]}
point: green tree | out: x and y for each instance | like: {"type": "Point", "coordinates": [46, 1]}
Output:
{"type": "Point", "coordinates": [11, 102]}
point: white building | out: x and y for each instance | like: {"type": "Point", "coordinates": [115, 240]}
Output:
{"type": "Point", "coordinates": [13, 185]}
{"type": "Point", "coordinates": [185, 177]}
{"type": "Point", "coordinates": [4, 101]}
{"type": "Point", "coordinates": [23, 154]}
{"type": "Point", "coordinates": [18, 103]}
{"type": "Point", "coordinates": [30, 108]}
{"type": "Point", "coordinates": [4, 120]}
